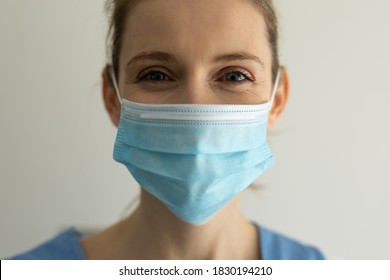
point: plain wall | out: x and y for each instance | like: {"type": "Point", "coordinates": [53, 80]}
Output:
{"type": "Point", "coordinates": [330, 184]}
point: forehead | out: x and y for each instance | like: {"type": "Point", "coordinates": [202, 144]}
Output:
{"type": "Point", "coordinates": [196, 29]}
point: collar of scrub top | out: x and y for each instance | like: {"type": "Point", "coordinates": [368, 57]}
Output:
{"type": "Point", "coordinates": [274, 90]}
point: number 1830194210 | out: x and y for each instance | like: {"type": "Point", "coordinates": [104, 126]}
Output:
{"type": "Point", "coordinates": [259, 271]}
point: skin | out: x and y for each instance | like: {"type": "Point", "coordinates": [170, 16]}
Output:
{"type": "Point", "coordinates": [189, 52]}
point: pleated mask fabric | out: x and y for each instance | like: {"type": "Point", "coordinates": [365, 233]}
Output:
{"type": "Point", "coordinates": [194, 158]}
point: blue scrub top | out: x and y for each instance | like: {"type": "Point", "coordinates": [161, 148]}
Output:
{"type": "Point", "coordinates": [273, 246]}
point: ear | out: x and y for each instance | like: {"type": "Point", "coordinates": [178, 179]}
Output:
{"type": "Point", "coordinates": [280, 99]}
{"type": "Point", "coordinates": [110, 97]}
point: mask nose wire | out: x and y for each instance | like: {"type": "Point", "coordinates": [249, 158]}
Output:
{"type": "Point", "coordinates": [113, 78]}
{"type": "Point", "coordinates": [276, 85]}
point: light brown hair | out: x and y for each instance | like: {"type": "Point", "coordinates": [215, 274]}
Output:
{"type": "Point", "coordinates": [118, 11]}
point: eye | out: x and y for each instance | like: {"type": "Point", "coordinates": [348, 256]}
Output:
{"type": "Point", "coordinates": [236, 77]}
{"type": "Point", "coordinates": [154, 76]}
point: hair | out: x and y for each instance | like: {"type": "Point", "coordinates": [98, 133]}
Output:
{"type": "Point", "coordinates": [118, 11]}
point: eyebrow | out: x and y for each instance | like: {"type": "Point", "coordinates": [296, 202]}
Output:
{"type": "Point", "coordinates": [238, 56]}
{"type": "Point", "coordinates": [166, 57]}
{"type": "Point", "coordinates": [158, 56]}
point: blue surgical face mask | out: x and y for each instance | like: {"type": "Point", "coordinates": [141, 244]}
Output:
{"type": "Point", "coordinates": [194, 158]}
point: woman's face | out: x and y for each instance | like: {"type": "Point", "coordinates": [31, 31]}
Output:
{"type": "Point", "coordinates": [195, 52]}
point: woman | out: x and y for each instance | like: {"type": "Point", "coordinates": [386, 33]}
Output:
{"type": "Point", "coordinates": [192, 87]}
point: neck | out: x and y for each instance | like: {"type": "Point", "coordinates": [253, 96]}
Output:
{"type": "Point", "coordinates": [153, 232]}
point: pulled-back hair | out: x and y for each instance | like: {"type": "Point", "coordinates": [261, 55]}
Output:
{"type": "Point", "coordinates": [118, 10]}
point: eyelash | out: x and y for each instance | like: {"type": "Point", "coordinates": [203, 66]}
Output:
{"type": "Point", "coordinates": [144, 76]}
{"type": "Point", "coordinates": [245, 74]}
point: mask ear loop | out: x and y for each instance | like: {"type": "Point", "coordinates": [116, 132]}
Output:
{"type": "Point", "coordinates": [114, 82]}
{"type": "Point", "coordinates": [276, 86]}
{"type": "Point", "coordinates": [275, 89]}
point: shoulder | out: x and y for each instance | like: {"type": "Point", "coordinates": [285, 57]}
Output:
{"type": "Point", "coordinates": [276, 246]}
{"type": "Point", "coordinates": [65, 246]}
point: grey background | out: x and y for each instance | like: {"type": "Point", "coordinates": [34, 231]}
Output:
{"type": "Point", "coordinates": [330, 186]}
